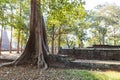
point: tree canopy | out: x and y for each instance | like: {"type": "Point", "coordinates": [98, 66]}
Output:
{"type": "Point", "coordinates": [63, 19]}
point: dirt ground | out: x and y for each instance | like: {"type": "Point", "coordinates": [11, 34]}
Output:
{"type": "Point", "coordinates": [32, 73]}
{"type": "Point", "coordinates": [27, 73]}
{"type": "Point", "coordinates": [7, 55]}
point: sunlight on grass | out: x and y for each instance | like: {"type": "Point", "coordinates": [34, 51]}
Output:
{"type": "Point", "coordinates": [108, 75]}
{"type": "Point", "coordinates": [74, 74]}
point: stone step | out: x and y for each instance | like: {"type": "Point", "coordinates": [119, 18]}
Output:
{"type": "Point", "coordinates": [63, 61]}
{"type": "Point", "coordinates": [95, 64]}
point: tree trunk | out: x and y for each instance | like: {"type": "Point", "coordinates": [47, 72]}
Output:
{"type": "Point", "coordinates": [11, 42]}
{"type": "Point", "coordinates": [59, 38]}
{"type": "Point", "coordinates": [103, 39]}
{"type": "Point", "coordinates": [36, 49]}
{"type": "Point", "coordinates": [114, 37]}
{"type": "Point", "coordinates": [11, 20]}
{"type": "Point", "coordinates": [67, 42]}
{"type": "Point", "coordinates": [18, 43]}
{"type": "Point", "coordinates": [19, 30]}
{"type": "Point", "coordinates": [21, 41]}
{"type": "Point", "coordinates": [53, 38]}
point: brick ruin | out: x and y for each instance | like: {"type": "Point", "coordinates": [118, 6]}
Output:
{"type": "Point", "coordinates": [97, 52]}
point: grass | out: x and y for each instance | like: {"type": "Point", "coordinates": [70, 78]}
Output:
{"type": "Point", "coordinates": [108, 75]}
{"type": "Point", "coordinates": [79, 75]}
{"type": "Point", "coordinates": [73, 74]}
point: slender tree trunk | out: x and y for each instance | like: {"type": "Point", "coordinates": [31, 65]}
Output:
{"type": "Point", "coordinates": [99, 36]}
{"type": "Point", "coordinates": [103, 39]}
{"type": "Point", "coordinates": [55, 47]}
{"type": "Point", "coordinates": [11, 42]}
{"type": "Point", "coordinates": [21, 44]}
{"type": "Point", "coordinates": [114, 37]}
{"type": "Point", "coordinates": [18, 43]}
{"type": "Point", "coordinates": [53, 38]}
{"type": "Point", "coordinates": [67, 41]}
{"type": "Point", "coordinates": [81, 45]}
{"type": "Point", "coordinates": [11, 20]}
{"type": "Point", "coordinates": [59, 38]}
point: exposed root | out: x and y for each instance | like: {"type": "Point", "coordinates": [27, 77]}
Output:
{"type": "Point", "coordinates": [7, 64]}
{"type": "Point", "coordinates": [16, 62]}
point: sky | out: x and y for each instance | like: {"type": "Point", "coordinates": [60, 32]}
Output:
{"type": "Point", "coordinates": [90, 4]}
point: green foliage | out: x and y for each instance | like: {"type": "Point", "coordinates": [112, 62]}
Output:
{"type": "Point", "coordinates": [65, 15]}
{"type": "Point", "coordinates": [68, 17]}
{"type": "Point", "coordinates": [15, 14]}
{"type": "Point", "coordinates": [3, 16]}
{"type": "Point", "coordinates": [105, 22]}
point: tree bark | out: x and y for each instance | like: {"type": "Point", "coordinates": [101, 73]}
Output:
{"type": "Point", "coordinates": [103, 39]}
{"type": "Point", "coordinates": [36, 49]}
{"type": "Point", "coordinates": [11, 20]}
{"type": "Point", "coordinates": [114, 37]}
{"type": "Point", "coordinates": [11, 42]}
{"type": "Point", "coordinates": [53, 38]}
{"type": "Point", "coordinates": [59, 37]}
{"type": "Point", "coordinates": [21, 41]}
{"type": "Point", "coordinates": [67, 42]}
{"type": "Point", "coordinates": [19, 30]}
{"type": "Point", "coordinates": [18, 43]}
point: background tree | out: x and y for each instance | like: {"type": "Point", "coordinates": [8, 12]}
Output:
{"type": "Point", "coordinates": [105, 19]}
{"type": "Point", "coordinates": [64, 15]}
{"type": "Point", "coordinates": [3, 20]}
{"type": "Point", "coordinates": [11, 17]}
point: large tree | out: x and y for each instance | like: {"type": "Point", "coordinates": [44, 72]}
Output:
{"type": "Point", "coordinates": [36, 48]}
